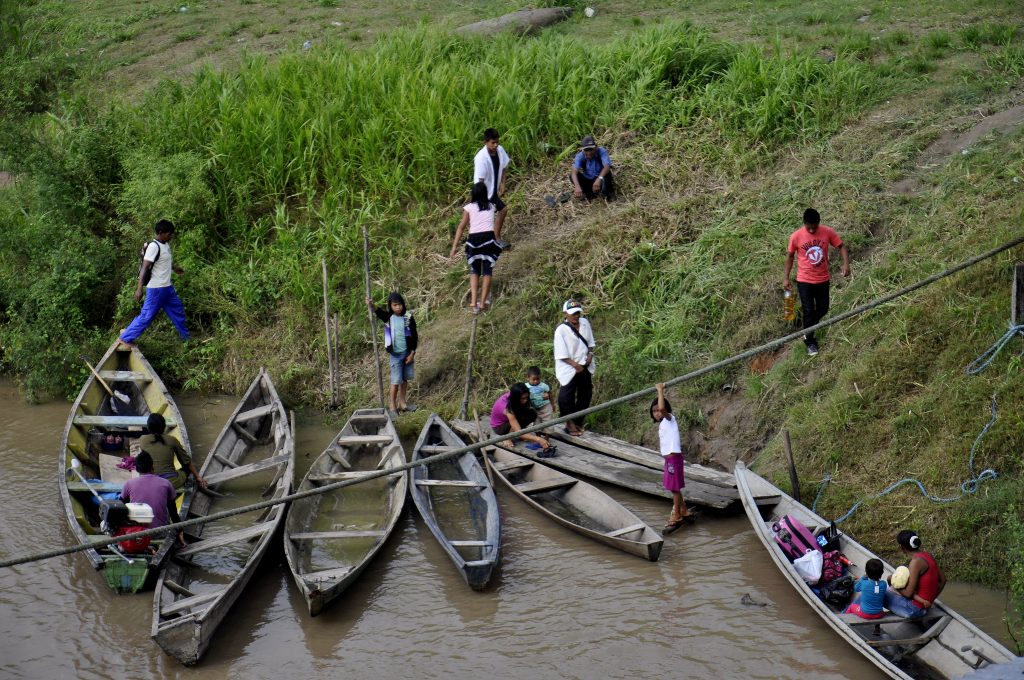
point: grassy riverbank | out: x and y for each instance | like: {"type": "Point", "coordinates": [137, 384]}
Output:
{"type": "Point", "coordinates": [724, 122]}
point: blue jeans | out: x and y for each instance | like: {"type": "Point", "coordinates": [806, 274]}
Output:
{"type": "Point", "coordinates": [401, 372]}
{"type": "Point", "coordinates": [165, 298]}
{"type": "Point", "coordinates": [901, 606]}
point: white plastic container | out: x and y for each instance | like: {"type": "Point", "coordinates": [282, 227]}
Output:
{"type": "Point", "coordinates": [140, 513]}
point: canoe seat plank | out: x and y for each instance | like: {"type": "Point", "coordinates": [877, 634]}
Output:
{"type": "Point", "coordinates": [119, 421]}
{"type": "Point", "coordinates": [226, 539]}
{"type": "Point", "coordinates": [126, 376]}
{"type": "Point", "coordinates": [854, 620]}
{"type": "Point", "coordinates": [254, 413]}
{"type": "Point", "coordinates": [512, 465]}
{"type": "Point", "coordinates": [177, 589]}
{"type": "Point", "coordinates": [470, 544]}
{"type": "Point", "coordinates": [98, 487]}
{"type": "Point", "coordinates": [186, 603]}
{"type": "Point", "coordinates": [243, 433]}
{"type": "Point", "coordinates": [340, 476]}
{"type": "Point", "coordinates": [479, 563]}
{"type": "Point", "coordinates": [545, 484]}
{"type": "Point", "coordinates": [224, 461]}
{"type": "Point", "coordinates": [244, 470]}
{"type": "Point", "coordinates": [338, 456]}
{"type": "Point", "coordinates": [449, 482]}
{"type": "Point", "coordinates": [326, 574]}
{"type": "Point", "coordinates": [921, 639]}
{"type": "Point", "coordinates": [431, 449]}
{"type": "Point", "coordinates": [365, 439]}
{"type": "Point", "coordinates": [387, 456]}
{"type": "Point", "coordinates": [315, 535]}
{"type": "Point", "coordinates": [626, 530]}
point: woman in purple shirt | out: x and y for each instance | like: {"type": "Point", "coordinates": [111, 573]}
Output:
{"type": "Point", "coordinates": [512, 412]}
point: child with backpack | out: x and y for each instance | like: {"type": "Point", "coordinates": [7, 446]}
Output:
{"type": "Point", "coordinates": [155, 276]}
{"type": "Point", "coordinates": [400, 341]}
{"type": "Point", "coordinates": [672, 453]}
{"type": "Point", "coordinates": [870, 598]}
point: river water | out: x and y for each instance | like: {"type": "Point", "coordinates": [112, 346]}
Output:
{"type": "Point", "coordinates": [562, 606]}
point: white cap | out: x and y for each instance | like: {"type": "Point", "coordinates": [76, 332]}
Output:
{"type": "Point", "coordinates": [571, 307]}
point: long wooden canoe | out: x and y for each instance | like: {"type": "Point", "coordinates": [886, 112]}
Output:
{"type": "Point", "coordinates": [331, 537]}
{"type": "Point", "coordinates": [701, 488]}
{"type": "Point", "coordinates": [575, 504]}
{"type": "Point", "coordinates": [942, 644]}
{"type": "Point", "coordinates": [92, 416]}
{"type": "Point", "coordinates": [252, 460]}
{"type": "Point", "coordinates": [457, 502]}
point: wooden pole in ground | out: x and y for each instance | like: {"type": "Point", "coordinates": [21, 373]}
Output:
{"type": "Point", "coordinates": [794, 481]}
{"type": "Point", "coordinates": [469, 369]}
{"type": "Point", "coordinates": [373, 317]}
{"type": "Point", "coordinates": [327, 329]}
{"type": "Point", "coordinates": [337, 364]}
{"type": "Point", "coordinates": [1017, 295]}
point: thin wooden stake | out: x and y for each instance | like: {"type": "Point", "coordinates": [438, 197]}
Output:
{"type": "Point", "coordinates": [794, 481]}
{"type": "Point", "coordinates": [327, 328]}
{"type": "Point", "coordinates": [1017, 295]}
{"type": "Point", "coordinates": [337, 364]}
{"type": "Point", "coordinates": [469, 369]}
{"type": "Point", "coordinates": [483, 452]}
{"type": "Point", "coordinates": [373, 317]}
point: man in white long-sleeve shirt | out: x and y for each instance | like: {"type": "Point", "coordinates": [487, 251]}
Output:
{"type": "Point", "coordinates": [489, 167]}
{"type": "Point", "coordinates": [574, 364]}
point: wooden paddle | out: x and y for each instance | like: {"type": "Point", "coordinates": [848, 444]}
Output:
{"type": "Point", "coordinates": [126, 409]}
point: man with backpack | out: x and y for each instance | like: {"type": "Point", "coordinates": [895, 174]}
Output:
{"type": "Point", "coordinates": [574, 364]}
{"type": "Point", "coordinates": [155, 276]}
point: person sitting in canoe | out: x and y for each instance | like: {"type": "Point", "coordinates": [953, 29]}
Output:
{"type": "Point", "coordinates": [870, 591]}
{"type": "Point", "coordinates": [163, 451]}
{"type": "Point", "coordinates": [924, 585]}
{"type": "Point", "coordinates": [512, 412]}
{"type": "Point", "coordinates": [155, 491]}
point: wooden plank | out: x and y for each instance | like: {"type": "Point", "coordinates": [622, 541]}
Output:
{"type": "Point", "coordinates": [326, 574]}
{"type": "Point", "coordinates": [626, 530]}
{"type": "Point", "coordinates": [854, 620]}
{"type": "Point", "coordinates": [244, 470]}
{"type": "Point", "coordinates": [545, 484]}
{"type": "Point", "coordinates": [338, 476]}
{"type": "Point", "coordinates": [258, 412]}
{"type": "Point", "coordinates": [177, 589]}
{"type": "Point", "coordinates": [502, 467]}
{"type": "Point", "coordinates": [119, 421]}
{"type": "Point", "coordinates": [243, 433]}
{"type": "Point", "coordinates": [478, 563]}
{"type": "Point", "coordinates": [339, 458]}
{"type": "Point", "coordinates": [317, 535]}
{"type": "Point", "coordinates": [921, 639]}
{"type": "Point", "coordinates": [226, 539]}
{"type": "Point", "coordinates": [470, 544]}
{"type": "Point", "coordinates": [448, 482]}
{"type": "Point", "coordinates": [181, 605]}
{"type": "Point", "coordinates": [365, 439]}
{"type": "Point", "coordinates": [126, 376]}
{"type": "Point", "coordinates": [98, 487]}
{"type": "Point", "coordinates": [431, 449]}
{"type": "Point", "coordinates": [224, 461]}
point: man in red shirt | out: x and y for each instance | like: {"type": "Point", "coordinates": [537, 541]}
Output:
{"type": "Point", "coordinates": [810, 244]}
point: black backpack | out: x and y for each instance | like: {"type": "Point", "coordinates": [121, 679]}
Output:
{"type": "Point", "coordinates": [142, 260]}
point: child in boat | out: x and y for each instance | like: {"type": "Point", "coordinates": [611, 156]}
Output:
{"type": "Point", "coordinates": [400, 340]}
{"type": "Point", "coordinates": [869, 601]}
{"type": "Point", "coordinates": [482, 249]}
{"type": "Point", "coordinates": [540, 395]}
{"type": "Point", "coordinates": [163, 450]}
{"type": "Point", "coordinates": [672, 453]}
{"type": "Point", "coordinates": [512, 412]}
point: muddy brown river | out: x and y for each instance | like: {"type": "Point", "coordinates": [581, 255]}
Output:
{"type": "Point", "coordinates": [561, 607]}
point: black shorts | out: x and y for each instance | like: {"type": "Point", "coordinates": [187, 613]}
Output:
{"type": "Point", "coordinates": [499, 204]}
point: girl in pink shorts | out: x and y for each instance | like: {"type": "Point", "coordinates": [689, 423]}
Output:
{"type": "Point", "coordinates": [672, 452]}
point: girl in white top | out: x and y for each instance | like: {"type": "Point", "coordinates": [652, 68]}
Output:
{"type": "Point", "coordinates": [672, 453]}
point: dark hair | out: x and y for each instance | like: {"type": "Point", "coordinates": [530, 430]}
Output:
{"type": "Point", "coordinates": [156, 425]}
{"type": "Point", "coordinates": [811, 216]}
{"type": "Point", "coordinates": [164, 227]}
{"type": "Point", "coordinates": [490, 133]}
{"type": "Point", "coordinates": [533, 370]}
{"type": "Point", "coordinates": [144, 462]}
{"type": "Point", "coordinates": [397, 297]}
{"type": "Point", "coordinates": [524, 412]}
{"type": "Point", "coordinates": [873, 569]}
{"type": "Point", "coordinates": [478, 195]}
{"type": "Point", "coordinates": [908, 540]}
{"type": "Point", "coordinates": [668, 408]}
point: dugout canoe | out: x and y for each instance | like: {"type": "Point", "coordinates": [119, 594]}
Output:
{"type": "Point", "coordinates": [252, 460]}
{"type": "Point", "coordinates": [457, 503]}
{"type": "Point", "coordinates": [942, 644]}
{"type": "Point", "coordinates": [329, 538]}
{"type": "Point", "coordinates": [575, 504]}
{"type": "Point", "coordinates": [94, 415]}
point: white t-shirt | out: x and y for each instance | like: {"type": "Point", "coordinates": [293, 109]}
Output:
{"type": "Point", "coordinates": [668, 436]}
{"type": "Point", "coordinates": [160, 277]}
{"type": "Point", "coordinates": [483, 169]}
{"type": "Point", "coordinates": [568, 346]}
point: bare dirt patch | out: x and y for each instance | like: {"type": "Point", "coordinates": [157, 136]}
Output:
{"type": "Point", "coordinates": [6, 179]}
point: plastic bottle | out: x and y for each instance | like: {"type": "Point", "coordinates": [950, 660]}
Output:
{"type": "Point", "coordinates": [789, 305]}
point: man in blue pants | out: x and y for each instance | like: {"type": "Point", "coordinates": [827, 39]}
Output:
{"type": "Point", "coordinates": [155, 275]}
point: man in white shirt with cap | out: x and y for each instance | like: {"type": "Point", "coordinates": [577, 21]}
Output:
{"type": "Point", "coordinates": [574, 364]}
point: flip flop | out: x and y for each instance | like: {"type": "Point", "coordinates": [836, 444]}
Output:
{"type": "Point", "coordinates": [571, 433]}
{"type": "Point", "coordinates": [670, 527]}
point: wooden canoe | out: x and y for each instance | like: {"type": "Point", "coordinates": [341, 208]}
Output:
{"type": "Point", "coordinates": [457, 502]}
{"type": "Point", "coordinates": [252, 460]}
{"type": "Point", "coordinates": [92, 416]}
{"type": "Point", "coordinates": [575, 504]}
{"type": "Point", "coordinates": [942, 644]}
{"type": "Point", "coordinates": [331, 537]}
{"type": "Point", "coordinates": [702, 489]}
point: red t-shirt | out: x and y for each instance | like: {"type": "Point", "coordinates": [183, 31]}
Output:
{"type": "Point", "coordinates": [812, 252]}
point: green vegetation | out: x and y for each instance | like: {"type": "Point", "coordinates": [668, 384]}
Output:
{"type": "Point", "coordinates": [724, 121]}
